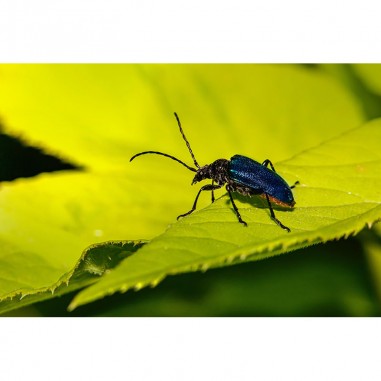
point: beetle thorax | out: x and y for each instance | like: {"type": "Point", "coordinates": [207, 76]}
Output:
{"type": "Point", "coordinates": [217, 171]}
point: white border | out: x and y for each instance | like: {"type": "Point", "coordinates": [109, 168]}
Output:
{"type": "Point", "coordinates": [189, 31]}
{"type": "Point", "coordinates": [190, 349]}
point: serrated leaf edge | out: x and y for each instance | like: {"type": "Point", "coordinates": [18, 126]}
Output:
{"type": "Point", "coordinates": [64, 280]}
{"type": "Point", "coordinates": [274, 248]}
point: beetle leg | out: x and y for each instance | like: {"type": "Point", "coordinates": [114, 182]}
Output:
{"type": "Point", "coordinates": [267, 162]}
{"type": "Point", "coordinates": [213, 192]}
{"type": "Point", "coordinates": [229, 189]}
{"type": "Point", "coordinates": [210, 187]}
{"type": "Point", "coordinates": [273, 215]}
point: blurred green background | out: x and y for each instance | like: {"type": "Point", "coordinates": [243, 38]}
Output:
{"type": "Point", "coordinates": [340, 278]}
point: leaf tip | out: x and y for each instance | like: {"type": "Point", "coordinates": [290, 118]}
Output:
{"type": "Point", "coordinates": [72, 306]}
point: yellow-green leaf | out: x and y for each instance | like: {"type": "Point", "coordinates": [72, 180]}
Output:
{"type": "Point", "coordinates": [98, 116]}
{"type": "Point", "coordinates": [339, 194]}
{"type": "Point", "coordinates": [92, 264]}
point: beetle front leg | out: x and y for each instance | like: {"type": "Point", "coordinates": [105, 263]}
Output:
{"type": "Point", "coordinates": [209, 187]}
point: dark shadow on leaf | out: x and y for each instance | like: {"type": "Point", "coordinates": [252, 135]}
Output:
{"type": "Point", "coordinates": [18, 159]}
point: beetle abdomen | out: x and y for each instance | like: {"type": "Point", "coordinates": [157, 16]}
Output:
{"type": "Point", "coordinates": [250, 173]}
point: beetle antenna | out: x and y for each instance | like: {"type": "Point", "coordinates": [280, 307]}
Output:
{"type": "Point", "coordinates": [166, 155]}
{"type": "Point", "coordinates": [186, 141]}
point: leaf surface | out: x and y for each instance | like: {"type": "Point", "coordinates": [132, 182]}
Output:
{"type": "Point", "coordinates": [98, 116]}
{"type": "Point", "coordinates": [92, 265]}
{"type": "Point", "coordinates": [340, 194]}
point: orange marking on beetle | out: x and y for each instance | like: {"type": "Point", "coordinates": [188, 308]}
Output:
{"type": "Point", "coordinates": [278, 202]}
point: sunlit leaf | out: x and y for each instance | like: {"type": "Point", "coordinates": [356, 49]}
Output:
{"type": "Point", "coordinates": [98, 116]}
{"type": "Point", "coordinates": [92, 264]}
{"type": "Point", "coordinates": [339, 195]}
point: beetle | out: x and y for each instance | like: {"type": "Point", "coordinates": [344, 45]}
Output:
{"type": "Point", "coordinates": [240, 174]}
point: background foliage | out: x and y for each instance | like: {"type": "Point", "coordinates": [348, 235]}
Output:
{"type": "Point", "coordinates": [94, 117]}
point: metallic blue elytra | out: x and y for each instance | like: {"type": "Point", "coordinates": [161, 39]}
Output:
{"type": "Point", "coordinates": [239, 174]}
{"type": "Point", "coordinates": [259, 178]}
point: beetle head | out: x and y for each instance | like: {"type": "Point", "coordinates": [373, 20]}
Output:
{"type": "Point", "coordinates": [201, 174]}
{"type": "Point", "coordinates": [217, 171]}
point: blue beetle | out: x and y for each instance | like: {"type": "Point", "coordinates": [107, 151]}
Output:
{"type": "Point", "coordinates": [240, 174]}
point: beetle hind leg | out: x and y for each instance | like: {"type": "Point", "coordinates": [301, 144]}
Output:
{"type": "Point", "coordinates": [273, 215]}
